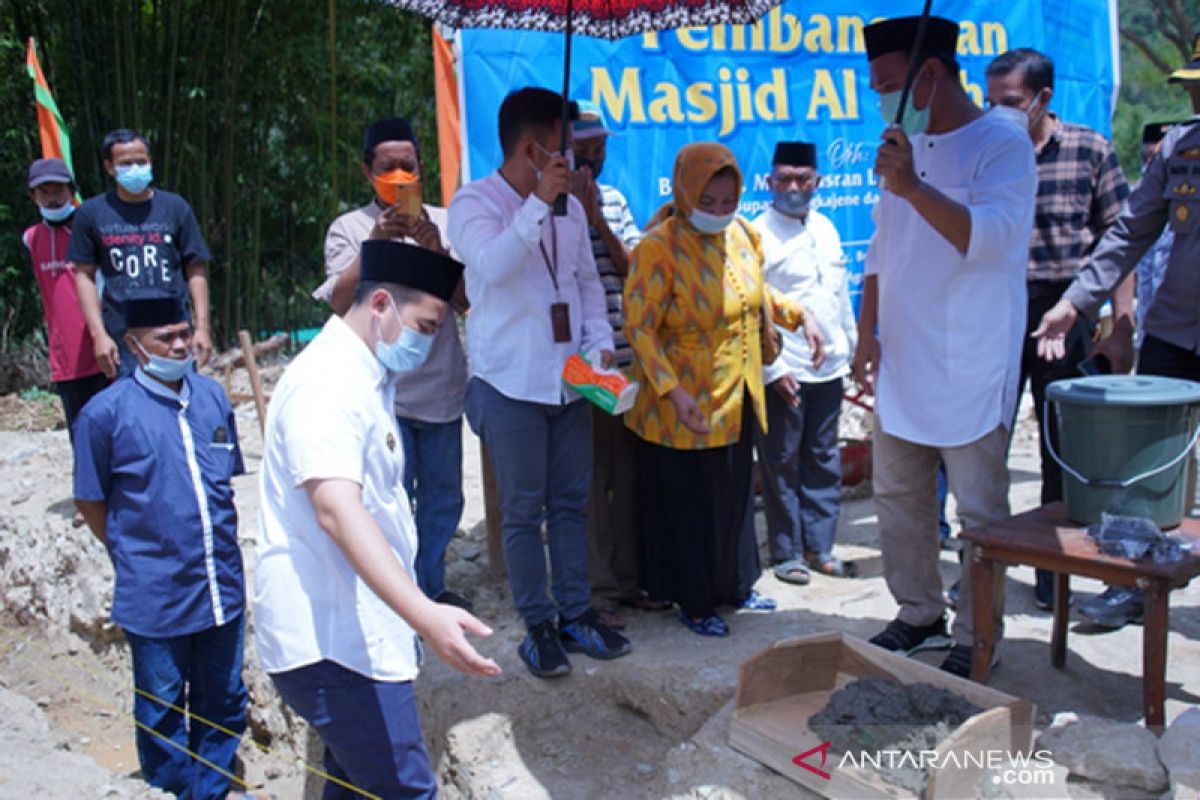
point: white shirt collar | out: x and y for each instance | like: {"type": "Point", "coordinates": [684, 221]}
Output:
{"type": "Point", "coordinates": [350, 341]}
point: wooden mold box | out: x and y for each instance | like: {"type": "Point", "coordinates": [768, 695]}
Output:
{"type": "Point", "coordinates": [781, 687]}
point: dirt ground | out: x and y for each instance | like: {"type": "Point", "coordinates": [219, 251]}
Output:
{"type": "Point", "coordinates": [653, 725]}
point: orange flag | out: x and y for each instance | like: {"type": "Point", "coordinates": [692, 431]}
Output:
{"type": "Point", "coordinates": [55, 141]}
{"type": "Point", "coordinates": [448, 118]}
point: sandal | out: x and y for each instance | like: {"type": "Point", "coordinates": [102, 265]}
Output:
{"type": "Point", "coordinates": [794, 571]}
{"type": "Point", "coordinates": [834, 567]}
{"type": "Point", "coordinates": [643, 602]}
{"type": "Point", "coordinates": [712, 625]}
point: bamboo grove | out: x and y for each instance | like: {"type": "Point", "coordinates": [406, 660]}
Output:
{"type": "Point", "coordinates": [254, 111]}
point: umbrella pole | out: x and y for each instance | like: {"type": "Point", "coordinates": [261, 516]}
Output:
{"type": "Point", "coordinates": [914, 61]}
{"type": "Point", "coordinates": [560, 203]}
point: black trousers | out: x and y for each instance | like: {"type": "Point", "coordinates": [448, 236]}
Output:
{"type": "Point", "coordinates": [1171, 361]}
{"type": "Point", "coordinates": [1040, 373]}
{"type": "Point", "coordinates": [75, 394]}
{"type": "Point", "coordinates": [698, 547]}
{"type": "Point", "coordinates": [1168, 360]}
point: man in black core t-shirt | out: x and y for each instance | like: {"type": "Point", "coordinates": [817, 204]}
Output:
{"type": "Point", "coordinates": [132, 241]}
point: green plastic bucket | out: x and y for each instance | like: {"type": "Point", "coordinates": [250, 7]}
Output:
{"type": "Point", "coordinates": [1123, 445]}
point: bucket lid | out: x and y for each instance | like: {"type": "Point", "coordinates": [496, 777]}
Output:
{"type": "Point", "coordinates": [1124, 390]}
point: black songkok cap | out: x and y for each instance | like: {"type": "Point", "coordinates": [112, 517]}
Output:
{"type": "Point", "coordinates": [900, 34]}
{"type": "Point", "coordinates": [795, 154]}
{"type": "Point", "coordinates": [396, 129]}
{"type": "Point", "coordinates": [1153, 132]}
{"type": "Point", "coordinates": [384, 261]}
{"type": "Point", "coordinates": [154, 311]}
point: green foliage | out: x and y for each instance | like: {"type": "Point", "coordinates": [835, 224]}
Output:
{"type": "Point", "coordinates": [1145, 94]}
{"type": "Point", "coordinates": [38, 395]}
{"type": "Point", "coordinates": [254, 112]}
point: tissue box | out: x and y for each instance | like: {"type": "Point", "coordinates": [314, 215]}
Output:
{"type": "Point", "coordinates": [609, 389]}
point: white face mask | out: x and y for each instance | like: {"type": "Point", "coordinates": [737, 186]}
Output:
{"type": "Point", "coordinates": [1035, 112]}
{"type": "Point", "coordinates": [709, 223]}
{"type": "Point", "coordinates": [570, 156]}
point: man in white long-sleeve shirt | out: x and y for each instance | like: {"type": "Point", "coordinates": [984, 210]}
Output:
{"type": "Point", "coordinates": [947, 289]}
{"type": "Point", "coordinates": [798, 455]}
{"type": "Point", "coordinates": [535, 300]}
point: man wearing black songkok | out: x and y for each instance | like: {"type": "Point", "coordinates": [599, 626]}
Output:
{"type": "Point", "coordinates": [337, 610]}
{"type": "Point", "coordinates": [429, 400]}
{"type": "Point", "coordinates": [798, 455]}
{"type": "Point", "coordinates": [943, 313]}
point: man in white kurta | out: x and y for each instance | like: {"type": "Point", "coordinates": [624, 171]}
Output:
{"type": "Point", "coordinates": [946, 287]}
{"type": "Point", "coordinates": [798, 455]}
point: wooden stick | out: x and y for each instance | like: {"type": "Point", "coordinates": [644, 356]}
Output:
{"type": "Point", "coordinates": [260, 401]}
{"type": "Point", "coordinates": [234, 358]}
{"type": "Point", "coordinates": [491, 519]}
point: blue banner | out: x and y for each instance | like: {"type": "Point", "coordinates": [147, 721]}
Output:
{"type": "Point", "coordinates": [799, 73]}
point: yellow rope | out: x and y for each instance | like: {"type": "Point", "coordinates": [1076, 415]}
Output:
{"type": "Point", "coordinates": [13, 650]}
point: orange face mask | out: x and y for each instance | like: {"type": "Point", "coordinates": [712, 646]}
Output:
{"type": "Point", "coordinates": [388, 185]}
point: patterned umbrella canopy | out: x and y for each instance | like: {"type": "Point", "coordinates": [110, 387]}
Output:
{"type": "Point", "coordinates": [606, 19]}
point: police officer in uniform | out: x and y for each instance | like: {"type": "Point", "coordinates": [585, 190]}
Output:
{"type": "Point", "coordinates": [1168, 196]}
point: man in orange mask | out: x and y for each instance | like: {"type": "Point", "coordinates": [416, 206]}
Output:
{"type": "Point", "coordinates": [429, 398]}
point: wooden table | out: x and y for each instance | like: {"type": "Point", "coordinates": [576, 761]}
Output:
{"type": "Point", "coordinates": [1046, 538]}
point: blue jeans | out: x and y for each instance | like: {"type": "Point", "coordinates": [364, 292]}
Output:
{"type": "Point", "coordinates": [542, 458]}
{"type": "Point", "coordinates": [802, 472]}
{"type": "Point", "coordinates": [201, 672]}
{"type": "Point", "coordinates": [370, 728]}
{"type": "Point", "coordinates": [433, 481]}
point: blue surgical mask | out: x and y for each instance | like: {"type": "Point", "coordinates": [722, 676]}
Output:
{"type": "Point", "coordinates": [709, 223]}
{"type": "Point", "coordinates": [168, 370]}
{"type": "Point", "coordinates": [134, 178]}
{"type": "Point", "coordinates": [916, 120]}
{"type": "Point", "coordinates": [794, 202]}
{"type": "Point", "coordinates": [408, 352]}
{"type": "Point", "coordinates": [60, 214]}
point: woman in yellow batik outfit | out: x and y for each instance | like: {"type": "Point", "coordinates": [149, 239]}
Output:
{"type": "Point", "coordinates": [693, 303]}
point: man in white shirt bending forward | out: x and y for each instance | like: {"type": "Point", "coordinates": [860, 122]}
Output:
{"type": "Point", "coordinates": [337, 609]}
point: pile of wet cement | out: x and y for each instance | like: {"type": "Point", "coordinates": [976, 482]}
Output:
{"type": "Point", "coordinates": [882, 714]}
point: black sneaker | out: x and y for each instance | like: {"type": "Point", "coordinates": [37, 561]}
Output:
{"type": "Point", "coordinates": [542, 653]}
{"type": "Point", "coordinates": [588, 635]}
{"type": "Point", "coordinates": [900, 637]}
{"type": "Point", "coordinates": [958, 660]}
{"type": "Point", "coordinates": [1115, 608]}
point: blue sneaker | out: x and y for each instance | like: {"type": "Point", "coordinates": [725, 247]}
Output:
{"type": "Point", "coordinates": [588, 635]}
{"type": "Point", "coordinates": [712, 625]}
{"type": "Point", "coordinates": [542, 653]}
{"type": "Point", "coordinates": [756, 602]}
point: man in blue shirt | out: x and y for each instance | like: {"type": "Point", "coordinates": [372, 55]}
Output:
{"type": "Point", "coordinates": [154, 457]}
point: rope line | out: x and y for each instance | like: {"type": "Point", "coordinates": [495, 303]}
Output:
{"type": "Point", "coordinates": [17, 647]}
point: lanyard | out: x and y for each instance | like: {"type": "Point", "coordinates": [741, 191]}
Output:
{"type": "Point", "coordinates": [551, 263]}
